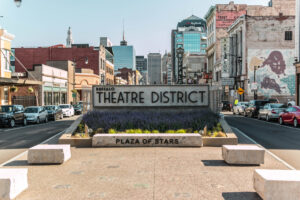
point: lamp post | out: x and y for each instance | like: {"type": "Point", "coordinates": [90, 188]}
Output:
{"type": "Point", "coordinates": [255, 89]}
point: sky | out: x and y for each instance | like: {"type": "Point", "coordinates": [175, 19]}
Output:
{"type": "Point", "coordinates": [148, 24]}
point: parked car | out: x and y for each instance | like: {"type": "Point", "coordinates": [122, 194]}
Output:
{"type": "Point", "coordinates": [36, 114]}
{"type": "Point", "coordinates": [54, 112]}
{"type": "Point", "coordinates": [290, 116]}
{"type": "Point", "coordinates": [254, 106]}
{"type": "Point", "coordinates": [226, 106]}
{"type": "Point", "coordinates": [271, 111]}
{"type": "Point", "coordinates": [67, 109]}
{"type": "Point", "coordinates": [240, 108]}
{"type": "Point", "coordinates": [12, 115]}
{"type": "Point", "coordinates": [78, 109]}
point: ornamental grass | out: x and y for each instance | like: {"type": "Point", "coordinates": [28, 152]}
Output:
{"type": "Point", "coordinates": [154, 122]}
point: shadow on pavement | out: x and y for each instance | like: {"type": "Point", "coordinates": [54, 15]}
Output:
{"type": "Point", "coordinates": [17, 163]}
{"type": "Point", "coordinates": [215, 163]}
{"type": "Point", "coordinates": [241, 196]}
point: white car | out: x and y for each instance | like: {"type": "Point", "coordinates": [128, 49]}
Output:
{"type": "Point", "coordinates": [67, 109]}
{"type": "Point", "coordinates": [240, 108]}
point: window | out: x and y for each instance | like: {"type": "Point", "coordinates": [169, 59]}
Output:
{"type": "Point", "coordinates": [289, 35]}
{"type": "Point", "coordinates": [5, 95]}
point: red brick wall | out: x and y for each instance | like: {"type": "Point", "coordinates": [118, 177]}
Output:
{"type": "Point", "coordinates": [32, 56]}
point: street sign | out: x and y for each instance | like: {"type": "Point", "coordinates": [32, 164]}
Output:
{"type": "Point", "coordinates": [74, 95]}
{"type": "Point", "coordinates": [227, 81]}
{"type": "Point", "coordinates": [241, 91]}
{"type": "Point", "coordinates": [254, 86]}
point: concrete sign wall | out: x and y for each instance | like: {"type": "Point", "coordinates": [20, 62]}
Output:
{"type": "Point", "coordinates": [151, 96]}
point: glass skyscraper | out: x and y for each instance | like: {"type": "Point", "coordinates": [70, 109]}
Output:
{"type": "Point", "coordinates": [124, 57]}
{"type": "Point", "coordinates": [191, 36]}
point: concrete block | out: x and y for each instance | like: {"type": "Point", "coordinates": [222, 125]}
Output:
{"type": "Point", "coordinates": [12, 182]}
{"type": "Point", "coordinates": [277, 184]}
{"type": "Point", "coordinates": [49, 154]}
{"type": "Point", "coordinates": [147, 140]}
{"type": "Point", "coordinates": [243, 154]}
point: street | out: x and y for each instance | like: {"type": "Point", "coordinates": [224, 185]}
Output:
{"type": "Point", "coordinates": [17, 140]}
{"type": "Point", "coordinates": [283, 141]}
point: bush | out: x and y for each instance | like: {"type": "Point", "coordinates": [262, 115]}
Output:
{"type": "Point", "coordinates": [151, 121]}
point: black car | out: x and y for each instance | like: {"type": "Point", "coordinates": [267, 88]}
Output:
{"type": "Point", "coordinates": [254, 106]}
{"type": "Point", "coordinates": [54, 112]}
{"type": "Point", "coordinates": [78, 109]}
{"type": "Point", "coordinates": [12, 115]}
{"type": "Point", "coordinates": [226, 106]}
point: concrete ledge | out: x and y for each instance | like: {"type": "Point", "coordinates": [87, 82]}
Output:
{"type": "Point", "coordinates": [277, 184]}
{"type": "Point", "coordinates": [49, 154]}
{"type": "Point", "coordinates": [75, 141]}
{"type": "Point", "coordinates": [231, 138]}
{"type": "Point", "coordinates": [147, 140]}
{"type": "Point", "coordinates": [12, 183]}
{"type": "Point", "coordinates": [243, 154]}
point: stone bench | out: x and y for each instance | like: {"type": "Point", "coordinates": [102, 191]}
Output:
{"type": "Point", "coordinates": [12, 183]}
{"type": "Point", "coordinates": [49, 154]}
{"type": "Point", "coordinates": [277, 184]}
{"type": "Point", "coordinates": [243, 154]}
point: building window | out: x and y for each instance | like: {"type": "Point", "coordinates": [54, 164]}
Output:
{"type": "Point", "coordinates": [6, 96]}
{"type": "Point", "coordinates": [288, 35]}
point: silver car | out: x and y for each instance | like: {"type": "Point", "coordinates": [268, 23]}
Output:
{"type": "Point", "coordinates": [271, 111]}
{"type": "Point", "coordinates": [240, 108]}
{"type": "Point", "coordinates": [36, 114]}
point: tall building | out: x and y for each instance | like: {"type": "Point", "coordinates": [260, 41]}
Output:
{"type": "Point", "coordinates": [141, 66]}
{"type": "Point", "coordinates": [191, 36]}
{"type": "Point", "coordinates": [69, 38]}
{"type": "Point", "coordinates": [141, 63]}
{"type": "Point", "coordinates": [105, 41]}
{"type": "Point", "coordinates": [154, 68]}
{"type": "Point", "coordinates": [166, 61]}
{"type": "Point", "coordinates": [124, 56]}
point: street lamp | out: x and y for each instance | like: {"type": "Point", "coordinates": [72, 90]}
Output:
{"type": "Point", "coordinates": [18, 3]}
{"type": "Point", "coordinates": [255, 89]}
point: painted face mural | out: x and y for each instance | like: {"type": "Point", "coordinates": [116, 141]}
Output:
{"type": "Point", "coordinates": [269, 83]}
{"type": "Point", "coordinates": [276, 62]}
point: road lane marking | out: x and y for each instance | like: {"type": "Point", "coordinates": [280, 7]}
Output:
{"type": "Point", "coordinates": [269, 152]}
{"type": "Point", "coordinates": [23, 153]}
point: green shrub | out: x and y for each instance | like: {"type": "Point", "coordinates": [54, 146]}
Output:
{"type": "Point", "coordinates": [112, 131]}
{"type": "Point", "coordinates": [155, 131]}
{"type": "Point", "coordinates": [170, 131]}
{"type": "Point", "coordinates": [146, 131]}
{"type": "Point", "coordinates": [181, 131]}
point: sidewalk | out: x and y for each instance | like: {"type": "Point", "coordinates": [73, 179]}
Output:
{"type": "Point", "coordinates": [142, 174]}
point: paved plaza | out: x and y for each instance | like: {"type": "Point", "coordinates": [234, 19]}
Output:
{"type": "Point", "coordinates": [142, 174]}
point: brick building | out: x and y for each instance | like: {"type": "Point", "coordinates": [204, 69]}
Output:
{"type": "Point", "coordinates": [77, 53]}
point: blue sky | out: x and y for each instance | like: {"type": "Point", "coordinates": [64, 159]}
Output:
{"type": "Point", "coordinates": [148, 24]}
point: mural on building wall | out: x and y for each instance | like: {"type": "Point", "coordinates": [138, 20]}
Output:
{"type": "Point", "coordinates": [276, 73]}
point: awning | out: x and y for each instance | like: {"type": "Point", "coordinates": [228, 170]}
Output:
{"type": "Point", "coordinates": [18, 82]}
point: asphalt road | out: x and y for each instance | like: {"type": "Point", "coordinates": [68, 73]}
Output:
{"type": "Point", "coordinates": [17, 140]}
{"type": "Point", "coordinates": [283, 141]}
